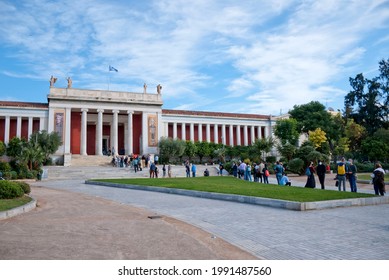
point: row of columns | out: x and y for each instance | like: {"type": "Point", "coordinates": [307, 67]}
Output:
{"type": "Point", "coordinates": [7, 127]}
{"type": "Point", "coordinates": [223, 131]}
{"type": "Point", "coordinates": [99, 131]}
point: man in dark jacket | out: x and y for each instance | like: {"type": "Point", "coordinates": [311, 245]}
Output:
{"type": "Point", "coordinates": [321, 173]}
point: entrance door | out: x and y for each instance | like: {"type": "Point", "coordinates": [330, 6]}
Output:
{"type": "Point", "coordinates": [105, 145]}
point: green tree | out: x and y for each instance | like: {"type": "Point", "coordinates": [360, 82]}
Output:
{"type": "Point", "coordinates": [375, 149]}
{"type": "Point", "coordinates": [311, 116]}
{"type": "Point", "coordinates": [190, 149]}
{"type": "Point", "coordinates": [355, 133]}
{"type": "Point", "coordinates": [287, 150]}
{"type": "Point", "coordinates": [368, 101]}
{"type": "Point", "coordinates": [32, 155]}
{"type": "Point", "coordinates": [203, 149]}
{"type": "Point", "coordinates": [15, 147]}
{"type": "Point", "coordinates": [263, 145]}
{"type": "Point", "coordinates": [48, 142]}
{"type": "Point", "coordinates": [169, 148]}
{"type": "Point", "coordinates": [286, 131]}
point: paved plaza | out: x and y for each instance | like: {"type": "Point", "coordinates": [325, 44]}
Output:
{"type": "Point", "coordinates": [350, 233]}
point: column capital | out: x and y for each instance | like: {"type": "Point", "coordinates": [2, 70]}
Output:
{"type": "Point", "coordinates": [100, 110]}
{"type": "Point", "coordinates": [84, 110]}
{"type": "Point", "coordinates": [115, 111]}
{"type": "Point", "coordinates": [130, 112]}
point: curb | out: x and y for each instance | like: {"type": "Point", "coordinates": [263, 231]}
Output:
{"type": "Point", "coordinates": [276, 203]}
{"type": "Point", "coordinates": [18, 210]}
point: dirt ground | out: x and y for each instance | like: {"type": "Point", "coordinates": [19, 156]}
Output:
{"type": "Point", "coordinates": [70, 226]}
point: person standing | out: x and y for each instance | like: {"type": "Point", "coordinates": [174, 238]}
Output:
{"type": "Point", "coordinates": [379, 179]}
{"type": "Point", "coordinates": [164, 171]}
{"type": "Point", "coordinates": [261, 167]}
{"type": "Point", "coordinates": [266, 174]}
{"type": "Point", "coordinates": [321, 173]}
{"type": "Point", "coordinates": [194, 170]}
{"type": "Point", "coordinates": [352, 175]}
{"type": "Point", "coordinates": [279, 170]}
{"type": "Point", "coordinates": [187, 169]}
{"type": "Point", "coordinates": [341, 174]}
{"type": "Point", "coordinates": [310, 171]}
{"type": "Point", "coordinates": [169, 171]}
{"type": "Point", "coordinates": [234, 169]}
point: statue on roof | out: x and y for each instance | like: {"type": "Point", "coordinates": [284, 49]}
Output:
{"type": "Point", "coordinates": [159, 88]}
{"type": "Point", "coordinates": [52, 80]}
{"type": "Point", "coordinates": [144, 88]}
{"type": "Point", "coordinates": [70, 82]}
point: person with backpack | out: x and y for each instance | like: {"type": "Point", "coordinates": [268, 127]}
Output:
{"type": "Point", "coordinates": [341, 174]}
{"type": "Point", "coordinates": [266, 174]}
{"type": "Point", "coordinates": [379, 179]}
{"type": "Point", "coordinates": [279, 170]}
{"type": "Point", "coordinates": [310, 171]}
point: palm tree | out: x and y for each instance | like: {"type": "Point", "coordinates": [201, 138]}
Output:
{"type": "Point", "coordinates": [32, 155]}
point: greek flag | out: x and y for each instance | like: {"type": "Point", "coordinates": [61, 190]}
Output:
{"type": "Point", "coordinates": [111, 68]}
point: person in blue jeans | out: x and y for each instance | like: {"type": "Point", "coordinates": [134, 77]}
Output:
{"type": "Point", "coordinates": [352, 175]}
{"type": "Point", "coordinates": [279, 170]}
{"type": "Point", "coordinates": [194, 170]}
{"type": "Point", "coordinates": [341, 174]}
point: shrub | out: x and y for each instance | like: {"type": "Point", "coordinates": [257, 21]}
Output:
{"type": "Point", "coordinates": [26, 187]}
{"type": "Point", "coordinates": [10, 190]}
{"type": "Point", "coordinates": [271, 159]}
{"type": "Point", "coordinates": [296, 165]}
{"type": "Point", "coordinates": [30, 175]}
{"type": "Point", "coordinates": [14, 175]}
{"type": "Point", "coordinates": [4, 166]}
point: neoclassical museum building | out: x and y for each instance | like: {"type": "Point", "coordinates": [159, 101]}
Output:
{"type": "Point", "coordinates": [91, 122]}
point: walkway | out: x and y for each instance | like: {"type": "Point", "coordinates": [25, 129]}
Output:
{"type": "Point", "coordinates": [342, 233]}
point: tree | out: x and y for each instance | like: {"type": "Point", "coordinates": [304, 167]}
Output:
{"type": "Point", "coordinates": [287, 150]}
{"type": "Point", "coordinates": [32, 155]}
{"type": "Point", "coordinates": [169, 147]}
{"type": "Point", "coordinates": [190, 149]}
{"type": "Point", "coordinates": [263, 145]}
{"type": "Point", "coordinates": [203, 149]}
{"type": "Point", "coordinates": [48, 142]}
{"type": "Point", "coordinates": [342, 146]}
{"type": "Point", "coordinates": [15, 147]}
{"type": "Point", "coordinates": [375, 149]}
{"type": "Point", "coordinates": [368, 101]}
{"type": "Point", "coordinates": [355, 133]}
{"type": "Point", "coordinates": [317, 137]}
{"type": "Point", "coordinates": [286, 131]}
{"type": "Point", "coordinates": [311, 116]}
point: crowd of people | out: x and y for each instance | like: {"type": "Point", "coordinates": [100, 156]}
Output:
{"type": "Point", "coordinates": [259, 172]}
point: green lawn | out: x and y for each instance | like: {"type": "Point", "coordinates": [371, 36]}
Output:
{"type": "Point", "coordinates": [231, 185]}
{"type": "Point", "coordinates": [6, 204]}
{"type": "Point", "coordinates": [366, 176]}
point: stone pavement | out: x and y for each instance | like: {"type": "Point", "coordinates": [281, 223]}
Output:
{"type": "Point", "coordinates": [341, 233]}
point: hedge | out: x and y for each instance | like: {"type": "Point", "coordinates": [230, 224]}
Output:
{"type": "Point", "coordinates": [10, 190]}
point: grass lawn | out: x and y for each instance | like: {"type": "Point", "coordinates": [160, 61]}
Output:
{"type": "Point", "coordinates": [231, 185]}
{"type": "Point", "coordinates": [366, 176]}
{"type": "Point", "coordinates": [6, 204]}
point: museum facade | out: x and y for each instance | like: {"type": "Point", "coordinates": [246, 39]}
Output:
{"type": "Point", "coordinates": [91, 122]}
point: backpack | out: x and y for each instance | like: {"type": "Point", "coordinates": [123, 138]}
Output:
{"type": "Point", "coordinates": [308, 172]}
{"type": "Point", "coordinates": [341, 169]}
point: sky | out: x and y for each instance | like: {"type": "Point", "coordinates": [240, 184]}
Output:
{"type": "Point", "coordinates": [249, 56]}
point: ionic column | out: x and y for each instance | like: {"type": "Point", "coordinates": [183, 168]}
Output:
{"type": "Point", "coordinates": [216, 133]}
{"type": "Point", "coordinates": [30, 123]}
{"type": "Point", "coordinates": [259, 132]}
{"type": "Point", "coordinates": [245, 135]}
{"type": "Point", "coordinates": [68, 112]}
{"type": "Point", "coordinates": [192, 132]}
{"type": "Point", "coordinates": [208, 131]}
{"type": "Point", "coordinates": [6, 129]}
{"type": "Point", "coordinates": [200, 131]}
{"type": "Point", "coordinates": [41, 124]}
{"type": "Point", "coordinates": [224, 134]}
{"type": "Point", "coordinates": [19, 127]}
{"type": "Point", "coordinates": [130, 132]}
{"type": "Point", "coordinates": [238, 142]}
{"type": "Point", "coordinates": [231, 135]}
{"type": "Point", "coordinates": [99, 132]}
{"type": "Point", "coordinates": [114, 128]}
{"type": "Point", "coordinates": [183, 131]}
{"type": "Point", "coordinates": [252, 134]}
{"type": "Point", "coordinates": [84, 124]}
{"type": "Point", "coordinates": [174, 130]}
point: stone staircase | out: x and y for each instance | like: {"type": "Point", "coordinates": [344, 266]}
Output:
{"type": "Point", "coordinates": [79, 160]}
{"type": "Point", "coordinates": [84, 172]}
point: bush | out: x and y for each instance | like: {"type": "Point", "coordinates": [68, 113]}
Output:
{"type": "Point", "coordinates": [296, 165]}
{"type": "Point", "coordinates": [25, 187]}
{"type": "Point", "coordinates": [10, 190]}
{"type": "Point", "coordinates": [4, 166]}
{"type": "Point", "coordinates": [271, 159]}
{"type": "Point", "coordinates": [14, 175]}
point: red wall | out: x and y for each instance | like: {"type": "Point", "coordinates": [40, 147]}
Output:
{"type": "Point", "coordinates": [137, 131]}
{"type": "Point", "coordinates": [75, 133]}
{"type": "Point", "coordinates": [91, 139]}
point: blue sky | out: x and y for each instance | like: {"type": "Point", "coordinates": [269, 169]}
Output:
{"type": "Point", "coordinates": [258, 57]}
